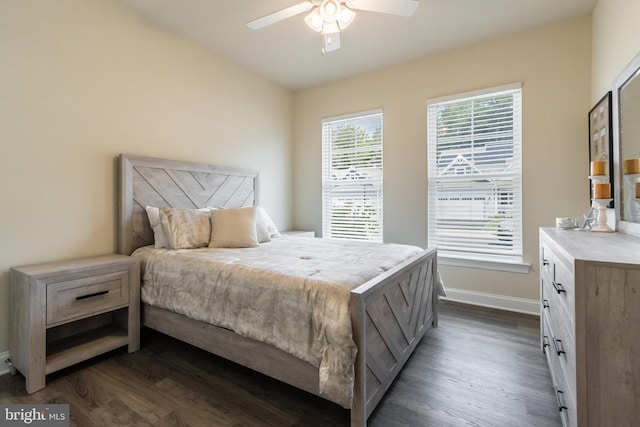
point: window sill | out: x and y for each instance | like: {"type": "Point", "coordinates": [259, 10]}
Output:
{"type": "Point", "coordinates": [485, 264]}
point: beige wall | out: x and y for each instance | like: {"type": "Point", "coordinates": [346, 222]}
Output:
{"type": "Point", "coordinates": [616, 40]}
{"type": "Point", "coordinates": [80, 82]}
{"type": "Point", "coordinates": [554, 65]}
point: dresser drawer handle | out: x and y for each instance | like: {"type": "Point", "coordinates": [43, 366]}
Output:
{"type": "Point", "coordinates": [545, 342]}
{"type": "Point", "coordinates": [545, 262]}
{"type": "Point", "coordinates": [558, 346]}
{"type": "Point", "coordinates": [95, 294]}
{"type": "Point", "coordinates": [558, 287]}
{"type": "Point", "coordinates": [560, 399]}
{"type": "Point", "coordinates": [545, 303]}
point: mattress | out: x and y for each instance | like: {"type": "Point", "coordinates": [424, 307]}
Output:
{"type": "Point", "coordinates": [292, 293]}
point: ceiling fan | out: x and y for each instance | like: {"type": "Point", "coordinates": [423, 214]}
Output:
{"type": "Point", "coordinates": [328, 17]}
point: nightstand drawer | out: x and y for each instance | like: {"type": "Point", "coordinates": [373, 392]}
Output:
{"type": "Point", "coordinates": [86, 296]}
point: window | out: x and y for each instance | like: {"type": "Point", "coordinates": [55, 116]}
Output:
{"type": "Point", "coordinates": [352, 177]}
{"type": "Point", "coordinates": [475, 175]}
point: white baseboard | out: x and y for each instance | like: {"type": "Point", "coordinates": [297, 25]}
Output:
{"type": "Point", "coordinates": [4, 367]}
{"type": "Point", "coordinates": [520, 305]}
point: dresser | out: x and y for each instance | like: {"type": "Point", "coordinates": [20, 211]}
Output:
{"type": "Point", "coordinates": [62, 313]}
{"type": "Point", "coordinates": [590, 325]}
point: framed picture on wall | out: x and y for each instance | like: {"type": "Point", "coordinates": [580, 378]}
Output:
{"type": "Point", "coordinates": [600, 137]}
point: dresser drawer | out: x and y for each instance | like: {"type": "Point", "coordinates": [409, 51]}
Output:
{"type": "Point", "coordinates": [562, 345]}
{"type": "Point", "coordinates": [558, 305]}
{"type": "Point", "coordinates": [86, 296]}
{"type": "Point", "coordinates": [553, 304]}
{"type": "Point", "coordinates": [562, 387]}
{"type": "Point", "coordinates": [546, 261]}
{"type": "Point", "coordinates": [558, 284]}
{"type": "Point", "coordinates": [566, 403]}
{"type": "Point", "coordinates": [563, 284]}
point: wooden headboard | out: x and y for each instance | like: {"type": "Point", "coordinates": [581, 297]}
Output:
{"type": "Point", "coordinates": [145, 181]}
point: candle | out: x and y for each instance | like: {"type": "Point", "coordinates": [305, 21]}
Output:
{"type": "Point", "coordinates": [631, 166]}
{"type": "Point", "coordinates": [602, 191]}
{"type": "Point", "coordinates": [598, 168]}
{"type": "Point", "coordinates": [637, 190]}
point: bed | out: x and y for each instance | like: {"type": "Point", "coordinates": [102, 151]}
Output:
{"type": "Point", "coordinates": [389, 313]}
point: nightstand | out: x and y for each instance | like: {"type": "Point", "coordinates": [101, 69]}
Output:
{"type": "Point", "coordinates": [299, 233]}
{"type": "Point", "coordinates": [62, 313]}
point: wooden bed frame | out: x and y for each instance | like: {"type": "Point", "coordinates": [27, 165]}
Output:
{"type": "Point", "coordinates": [390, 313]}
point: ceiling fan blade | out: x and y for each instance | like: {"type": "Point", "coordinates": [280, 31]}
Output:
{"type": "Point", "coordinates": [280, 15]}
{"type": "Point", "coordinates": [392, 7]}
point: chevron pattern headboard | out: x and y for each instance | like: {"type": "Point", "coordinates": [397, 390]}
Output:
{"type": "Point", "coordinates": [145, 181]}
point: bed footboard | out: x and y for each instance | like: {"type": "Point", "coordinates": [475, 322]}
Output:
{"type": "Point", "coordinates": [390, 314]}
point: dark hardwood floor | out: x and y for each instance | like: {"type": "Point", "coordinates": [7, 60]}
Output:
{"type": "Point", "coordinates": [480, 367]}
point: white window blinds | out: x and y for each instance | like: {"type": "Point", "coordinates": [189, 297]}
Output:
{"type": "Point", "coordinates": [352, 177]}
{"type": "Point", "coordinates": [475, 177]}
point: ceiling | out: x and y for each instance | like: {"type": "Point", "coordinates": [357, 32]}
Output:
{"type": "Point", "coordinates": [289, 53]}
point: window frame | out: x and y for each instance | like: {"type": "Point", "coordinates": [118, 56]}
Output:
{"type": "Point", "coordinates": [374, 182]}
{"type": "Point", "coordinates": [504, 262]}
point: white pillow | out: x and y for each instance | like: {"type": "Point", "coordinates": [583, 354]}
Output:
{"type": "Point", "coordinates": [185, 228]}
{"type": "Point", "coordinates": [265, 226]}
{"type": "Point", "coordinates": [234, 228]}
{"type": "Point", "coordinates": [261, 231]}
{"type": "Point", "coordinates": [159, 236]}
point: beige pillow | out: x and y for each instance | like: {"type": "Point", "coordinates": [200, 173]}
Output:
{"type": "Point", "coordinates": [233, 228]}
{"type": "Point", "coordinates": [185, 228]}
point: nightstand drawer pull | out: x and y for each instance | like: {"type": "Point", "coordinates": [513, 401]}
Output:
{"type": "Point", "coordinates": [558, 346]}
{"type": "Point", "coordinates": [558, 287]}
{"type": "Point", "coordinates": [545, 262]}
{"type": "Point", "coordinates": [545, 303]}
{"type": "Point", "coordinates": [545, 342]}
{"type": "Point", "coordinates": [95, 294]}
{"type": "Point", "coordinates": [560, 399]}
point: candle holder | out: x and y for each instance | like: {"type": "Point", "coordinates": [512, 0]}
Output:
{"type": "Point", "coordinates": [599, 179]}
{"type": "Point", "coordinates": [602, 215]}
{"type": "Point", "coordinates": [591, 217]}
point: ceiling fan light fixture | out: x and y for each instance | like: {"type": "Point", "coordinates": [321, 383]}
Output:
{"type": "Point", "coordinates": [330, 10]}
{"type": "Point", "coordinates": [314, 20]}
{"type": "Point", "coordinates": [346, 17]}
{"type": "Point", "coordinates": [329, 17]}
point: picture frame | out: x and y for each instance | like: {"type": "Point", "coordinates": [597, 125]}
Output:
{"type": "Point", "coordinates": [601, 138]}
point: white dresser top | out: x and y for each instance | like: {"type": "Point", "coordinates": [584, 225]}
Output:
{"type": "Point", "coordinates": [615, 248]}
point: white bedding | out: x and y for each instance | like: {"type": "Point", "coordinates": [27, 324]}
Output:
{"type": "Point", "coordinates": [292, 292]}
